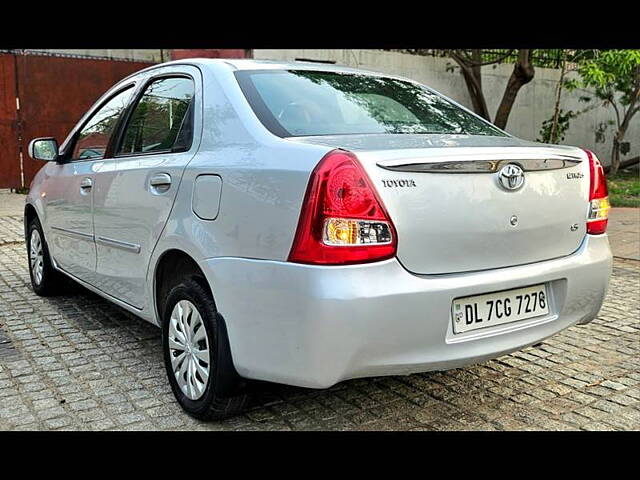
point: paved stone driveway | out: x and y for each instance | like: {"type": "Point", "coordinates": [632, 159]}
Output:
{"type": "Point", "coordinates": [624, 232]}
{"type": "Point", "coordinates": [78, 362]}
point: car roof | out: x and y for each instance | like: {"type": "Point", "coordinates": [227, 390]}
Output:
{"type": "Point", "coordinates": [233, 64]}
{"type": "Point", "coordinates": [251, 64]}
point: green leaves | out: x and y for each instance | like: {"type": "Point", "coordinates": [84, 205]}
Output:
{"type": "Point", "coordinates": [612, 73]}
{"type": "Point", "coordinates": [563, 125]}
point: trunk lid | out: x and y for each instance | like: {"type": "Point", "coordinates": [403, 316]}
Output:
{"type": "Point", "coordinates": [452, 212]}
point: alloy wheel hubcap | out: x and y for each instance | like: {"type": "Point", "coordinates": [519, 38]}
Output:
{"type": "Point", "coordinates": [36, 257]}
{"type": "Point", "coordinates": [189, 349]}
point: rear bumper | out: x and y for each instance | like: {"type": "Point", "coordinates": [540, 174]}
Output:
{"type": "Point", "coordinates": [314, 326]}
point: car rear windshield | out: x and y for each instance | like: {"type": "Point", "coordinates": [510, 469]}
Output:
{"type": "Point", "coordinates": [293, 103]}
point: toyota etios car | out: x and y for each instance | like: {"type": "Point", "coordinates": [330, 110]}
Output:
{"type": "Point", "coordinates": [306, 224]}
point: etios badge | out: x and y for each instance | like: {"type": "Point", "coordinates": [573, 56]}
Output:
{"type": "Point", "coordinates": [511, 177]}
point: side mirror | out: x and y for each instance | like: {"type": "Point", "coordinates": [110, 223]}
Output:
{"type": "Point", "coordinates": [45, 149]}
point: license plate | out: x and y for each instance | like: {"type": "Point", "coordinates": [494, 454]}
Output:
{"type": "Point", "coordinates": [488, 310]}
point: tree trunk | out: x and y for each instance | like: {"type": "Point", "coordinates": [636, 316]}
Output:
{"type": "Point", "coordinates": [622, 129]}
{"type": "Point", "coordinates": [522, 74]}
{"type": "Point", "coordinates": [556, 110]}
{"type": "Point", "coordinates": [472, 74]}
{"type": "Point", "coordinates": [626, 164]}
{"type": "Point", "coordinates": [474, 86]}
{"type": "Point", "coordinates": [615, 155]}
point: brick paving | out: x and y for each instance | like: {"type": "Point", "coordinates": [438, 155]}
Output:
{"type": "Point", "coordinates": [77, 362]}
{"type": "Point", "coordinates": [11, 230]}
{"type": "Point", "coordinates": [11, 203]}
{"type": "Point", "coordinates": [624, 232]}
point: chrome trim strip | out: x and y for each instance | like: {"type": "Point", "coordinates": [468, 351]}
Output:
{"type": "Point", "coordinates": [110, 242]}
{"type": "Point", "coordinates": [480, 166]}
{"type": "Point", "coordinates": [73, 233]}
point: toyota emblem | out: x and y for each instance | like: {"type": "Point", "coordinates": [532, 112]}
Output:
{"type": "Point", "coordinates": [511, 177]}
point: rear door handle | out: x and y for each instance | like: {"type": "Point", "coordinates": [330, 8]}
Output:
{"type": "Point", "coordinates": [85, 185]}
{"type": "Point", "coordinates": [160, 182]}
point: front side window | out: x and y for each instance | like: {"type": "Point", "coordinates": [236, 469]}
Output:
{"type": "Point", "coordinates": [161, 121]}
{"type": "Point", "coordinates": [308, 102]}
{"type": "Point", "coordinates": [92, 141]}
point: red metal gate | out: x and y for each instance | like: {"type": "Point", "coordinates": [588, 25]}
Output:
{"type": "Point", "coordinates": [52, 94]}
{"type": "Point", "coordinates": [9, 151]}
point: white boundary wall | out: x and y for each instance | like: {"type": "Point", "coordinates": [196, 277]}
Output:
{"type": "Point", "coordinates": [533, 105]}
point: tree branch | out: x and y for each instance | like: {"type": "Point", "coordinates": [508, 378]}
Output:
{"type": "Point", "coordinates": [615, 108]}
{"type": "Point", "coordinates": [522, 74]}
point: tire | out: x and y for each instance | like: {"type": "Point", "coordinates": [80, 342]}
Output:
{"type": "Point", "coordinates": [45, 280]}
{"type": "Point", "coordinates": [219, 394]}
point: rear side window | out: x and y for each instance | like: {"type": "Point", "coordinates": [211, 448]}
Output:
{"type": "Point", "coordinates": [307, 102]}
{"type": "Point", "coordinates": [91, 142]}
{"type": "Point", "coordinates": [162, 119]}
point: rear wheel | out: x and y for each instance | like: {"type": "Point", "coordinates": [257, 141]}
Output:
{"type": "Point", "coordinates": [45, 280]}
{"type": "Point", "coordinates": [195, 354]}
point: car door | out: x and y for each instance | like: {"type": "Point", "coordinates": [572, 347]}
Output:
{"type": "Point", "coordinates": [134, 191]}
{"type": "Point", "coordinates": [68, 189]}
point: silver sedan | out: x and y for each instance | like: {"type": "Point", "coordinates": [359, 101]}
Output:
{"type": "Point", "coordinates": [306, 224]}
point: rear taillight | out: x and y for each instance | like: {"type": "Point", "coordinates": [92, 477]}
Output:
{"type": "Point", "coordinates": [342, 220]}
{"type": "Point", "coordinates": [599, 206]}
